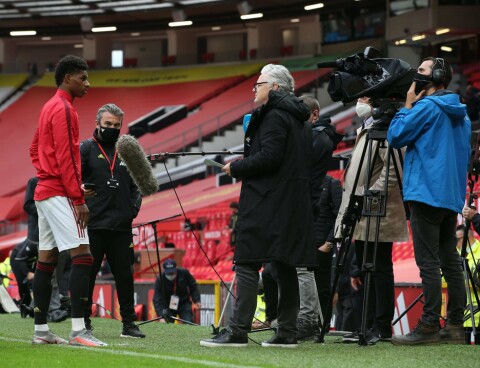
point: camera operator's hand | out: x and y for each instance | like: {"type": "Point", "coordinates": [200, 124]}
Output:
{"type": "Point", "coordinates": [468, 212]}
{"type": "Point", "coordinates": [412, 97]}
{"type": "Point", "coordinates": [30, 276]}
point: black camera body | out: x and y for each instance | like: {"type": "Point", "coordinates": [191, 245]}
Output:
{"type": "Point", "coordinates": [359, 75]}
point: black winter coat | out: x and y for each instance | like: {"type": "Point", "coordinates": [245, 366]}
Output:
{"type": "Point", "coordinates": [275, 217]}
{"type": "Point", "coordinates": [325, 209]}
{"type": "Point", "coordinates": [110, 209]}
{"type": "Point", "coordinates": [325, 140]}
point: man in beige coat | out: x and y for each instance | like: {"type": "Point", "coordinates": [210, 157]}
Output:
{"type": "Point", "coordinates": [393, 227]}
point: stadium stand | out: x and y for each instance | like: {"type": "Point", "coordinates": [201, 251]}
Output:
{"type": "Point", "coordinates": [215, 114]}
{"type": "Point", "coordinates": [147, 90]}
{"type": "Point", "coordinates": [10, 83]}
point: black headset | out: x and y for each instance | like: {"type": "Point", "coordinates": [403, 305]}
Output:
{"type": "Point", "coordinates": [438, 74]}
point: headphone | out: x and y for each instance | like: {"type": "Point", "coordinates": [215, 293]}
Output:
{"type": "Point", "coordinates": [438, 74]}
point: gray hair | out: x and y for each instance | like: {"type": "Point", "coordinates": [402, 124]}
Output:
{"type": "Point", "coordinates": [112, 109]}
{"type": "Point", "coordinates": [279, 75]}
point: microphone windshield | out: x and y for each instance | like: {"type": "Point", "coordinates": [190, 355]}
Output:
{"type": "Point", "coordinates": [137, 164]}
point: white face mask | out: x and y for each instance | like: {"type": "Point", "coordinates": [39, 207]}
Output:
{"type": "Point", "coordinates": [171, 277]}
{"type": "Point", "coordinates": [363, 110]}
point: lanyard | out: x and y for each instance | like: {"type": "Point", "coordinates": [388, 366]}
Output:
{"type": "Point", "coordinates": [111, 164]}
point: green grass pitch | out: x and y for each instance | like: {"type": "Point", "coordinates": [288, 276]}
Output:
{"type": "Point", "coordinates": [172, 345]}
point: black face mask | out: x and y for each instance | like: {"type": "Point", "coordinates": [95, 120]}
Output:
{"type": "Point", "coordinates": [421, 81]}
{"type": "Point", "coordinates": [109, 135]}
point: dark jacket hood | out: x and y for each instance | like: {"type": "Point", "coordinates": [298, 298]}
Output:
{"type": "Point", "coordinates": [330, 129]}
{"type": "Point", "coordinates": [450, 104]}
{"type": "Point", "coordinates": [286, 101]}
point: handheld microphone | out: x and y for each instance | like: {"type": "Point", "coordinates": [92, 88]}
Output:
{"type": "Point", "coordinates": [246, 121]}
{"type": "Point", "coordinates": [137, 164]}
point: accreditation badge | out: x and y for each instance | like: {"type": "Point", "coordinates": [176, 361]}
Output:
{"type": "Point", "coordinates": [174, 299]}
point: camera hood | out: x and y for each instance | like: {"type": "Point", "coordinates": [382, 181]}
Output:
{"type": "Point", "coordinates": [390, 79]}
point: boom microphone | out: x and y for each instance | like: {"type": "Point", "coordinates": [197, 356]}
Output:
{"type": "Point", "coordinates": [140, 169]}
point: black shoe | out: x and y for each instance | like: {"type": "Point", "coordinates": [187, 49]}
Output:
{"type": "Point", "coordinates": [374, 336]}
{"type": "Point", "coordinates": [422, 334]}
{"type": "Point", "coordinates": [452, 334]}
{"type": "Point", "coordinates": [306, 331]}
{"type": "Point", "coordinates": [58, 315]}
{"type": "Point", "coordinates": [26, 311]}
{"type": "Point", "coordinates": [131, 330]}
{"type": "Point", "coordinates": [281, 342]}
{"type": "Point", "coordinates": [351, 337]}
{"type": "Point", "coordinates": [225, 338]}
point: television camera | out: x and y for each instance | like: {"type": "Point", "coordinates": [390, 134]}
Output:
{"type": "Point", "coordinates": [364, 74]}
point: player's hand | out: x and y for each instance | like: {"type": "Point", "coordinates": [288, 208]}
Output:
{"type": "Point", "coordinates": [82, 215]}
{"type": "Point", "coordinates": [197, 306]}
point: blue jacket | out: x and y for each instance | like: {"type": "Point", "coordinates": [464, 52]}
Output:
{"type": "Point", "coordinates": [436, 131]}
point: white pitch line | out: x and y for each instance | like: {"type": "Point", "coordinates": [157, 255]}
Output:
{"type": "Point", "coordinates": [143, 355]}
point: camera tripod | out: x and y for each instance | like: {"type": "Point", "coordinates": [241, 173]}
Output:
{"type": "Point", "coordinates": [473, 173]}
{"type": "Point", "coordinates": [371, 205]}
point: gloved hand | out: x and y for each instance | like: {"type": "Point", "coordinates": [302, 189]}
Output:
{"type": "Point", "coordinates": [167, 315]}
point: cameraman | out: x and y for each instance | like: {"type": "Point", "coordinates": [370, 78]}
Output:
{"type": "Point", "coordinates": [435, 128]}
{"type": "Point", "coordinates": [393, 227]}
{"type": "Point", "coordinates": [174, 293]}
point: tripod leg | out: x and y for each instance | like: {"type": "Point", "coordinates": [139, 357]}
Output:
{"type": "Point", "coordinates": [418, 299]}
{"type": "Point", "coordinates": [468, 278]}
{"type": "Point", "coordinates": [339, 267]}
{"type": "Point", "coordinates": [217, 328]}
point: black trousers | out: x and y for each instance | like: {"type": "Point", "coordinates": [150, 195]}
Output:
{"type": "Point", "coordinates": [270, 288]}
{"type": "Point", "coordinates": [246, 298]}
{"type": "Point", "coordinates": [381, 305]}
{"type": "Point", "coordinates": [434, 244]}
{"type": "Point", "coordinates": [20, 269]}
{"type": "Point", "coordinates": [116, 246]}
{"type": "Point", "coordinates": [323, 278]}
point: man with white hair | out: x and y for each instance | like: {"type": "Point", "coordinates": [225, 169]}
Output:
{"type": "Point", "coordinates": [275, 218]}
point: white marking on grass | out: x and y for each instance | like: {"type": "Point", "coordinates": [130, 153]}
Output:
{"type": "Point", "coordinates": [144, 355]}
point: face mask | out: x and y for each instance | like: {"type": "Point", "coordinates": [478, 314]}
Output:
{"type": "Point", "coordinates": [109, 135]}
{"type": "Point", "coordinates": [171, 277]}
{"type": "Point", "coordinates": [421, 81]}
{"type": "Point", "coordinates": [363, 110]}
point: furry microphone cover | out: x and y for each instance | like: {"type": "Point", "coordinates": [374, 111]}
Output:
{"type": "Point", "coordinates": [140, 169]}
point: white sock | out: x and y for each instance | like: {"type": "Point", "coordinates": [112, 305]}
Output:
{"type": "Point", "coordinates": [78, 324]}
{"type": "Point", "coordinates": [42, 327]}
